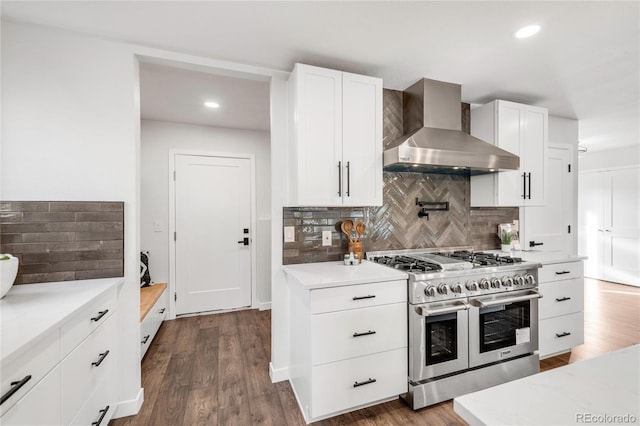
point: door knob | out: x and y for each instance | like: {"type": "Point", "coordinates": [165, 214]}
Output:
{"type": "Point", "coordinates": [244, 241]}
{"type": "Point", "coordinates": [533, 244]}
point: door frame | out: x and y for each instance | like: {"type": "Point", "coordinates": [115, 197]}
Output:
{"type": "Point", "coordinates": [172, 220]}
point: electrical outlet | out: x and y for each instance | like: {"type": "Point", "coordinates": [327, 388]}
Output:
{"type": "Point", "coordinates": [326, 238]}
{"type": "Point", "coordinates": [289, 234]}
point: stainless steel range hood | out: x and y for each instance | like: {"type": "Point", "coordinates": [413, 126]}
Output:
{"type": "Point", "coordinates": [434, 141]}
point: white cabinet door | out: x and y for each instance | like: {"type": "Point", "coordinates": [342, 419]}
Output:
{"type": "Point", "coordinates": [549, 224]}
{"type": "Point", "coordinates": [510, 135]}
{"type": "Point", "coordinates": [622, 226]}
{"type": "Point", "coordinates": [609, 219]}
{"type": "Point", "coordinates": [319, 136]}
{"type": "Point", "coordinates": [523, 131]}
{"type": "Point", "coordinates": [40, 406]}
{"type": "Point", "coordinates": [533, 154]}
{"type": "Point", "coordinates": [336, 138]}
{"type": "Point", "coordinates": [362, 140]}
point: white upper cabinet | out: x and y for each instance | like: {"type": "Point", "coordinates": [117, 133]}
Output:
{"type": "Point", "coordinates": [521, 130]}
{"type": "Point", "coordinates": [336, 138]}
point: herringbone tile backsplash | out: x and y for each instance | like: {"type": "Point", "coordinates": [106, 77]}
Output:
{"type": "Point", "coordinates": [396, 225]}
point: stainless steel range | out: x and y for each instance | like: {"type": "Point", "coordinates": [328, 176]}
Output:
{"type": "Point", "coordinates": [473, 320]}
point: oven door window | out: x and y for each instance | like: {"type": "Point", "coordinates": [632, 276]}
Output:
{"type": "Point", "coordinates": [500, 324]}
{"type": "Point", "coordinates": [442, 338]}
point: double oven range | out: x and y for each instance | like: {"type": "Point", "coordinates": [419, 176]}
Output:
{"type": "Point", "coordinates": [473, 320]}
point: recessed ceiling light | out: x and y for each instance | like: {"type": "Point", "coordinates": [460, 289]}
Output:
{"type": "Point", "coordinates": [527, 31]}
{"type": "Point", "coordinates": [210, 104]}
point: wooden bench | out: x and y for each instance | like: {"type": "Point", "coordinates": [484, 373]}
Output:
{"type": "Point", "coordinates": [153, 310]}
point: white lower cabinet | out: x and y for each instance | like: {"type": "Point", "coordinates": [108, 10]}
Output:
{"type": "Point", "coordinates": [349, 347]}
{"type": "Point", "coordinates": [69, 372]}
{"type": "Point", "coordinates": [561, 309]}
{"type": "Point", "coordinates": [343, 385]}
{"type": "Point", "coordinates": [40, 406]}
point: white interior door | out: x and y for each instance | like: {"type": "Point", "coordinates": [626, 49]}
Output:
{"type": "Point", "coordinates": [549, 224]}
{"type": "Point", "coordinates": [213, 205]}
{"type": "Point", "coordinates": [622, 226]}
{"type": "Point", "coordinates": [591, 222]}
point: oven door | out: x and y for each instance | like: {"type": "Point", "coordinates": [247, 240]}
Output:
{"type": "Point", "coordinates": [438, 339]}
{"type": "Point", "coordinates": [503, 326]}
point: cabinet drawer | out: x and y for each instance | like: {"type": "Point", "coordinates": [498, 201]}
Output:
{"type": "Point", "coordinates": [356, 332]}
{"type": "Point", "coordinates": [358, 296]}
{"type": "Point", "coordinates": [103, 400]}
{"type": "Point", "coordinates": [335, 386]}
{"type": "Point", "coordinates": [560, 334]}
{"type": "Point", "coordinates": [560, 271]}
{"type": "Point", "coordinates": [80, 375]}
{"type": "Point", "coordinates": [36, 363]}
{"type": "Point", "coordinates": [79, 326]}
{"type": "Point", "coordinates": [40, 406]}
{"type": "Point", "coordinates": [151, 323]}
{"type": "Point", "coordinates": [561, 298]}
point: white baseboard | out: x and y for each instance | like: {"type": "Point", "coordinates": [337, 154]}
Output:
{"type": "Point", "coordinates": [264, 306]}
{"type": "Point", "coordinates": [130, 407]}
{"type": "Point", "coordinates": [278, 375]}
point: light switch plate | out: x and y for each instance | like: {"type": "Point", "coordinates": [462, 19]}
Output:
{"type": "Point", "coordinates": [289, 234]}
{"type": "Point", "coordinates": [326, 238]}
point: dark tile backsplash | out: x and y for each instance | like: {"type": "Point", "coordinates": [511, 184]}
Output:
{"type": "Point", "coordinates": [63, 241]}
{"type": "Point", "coordinates": [396, 225]}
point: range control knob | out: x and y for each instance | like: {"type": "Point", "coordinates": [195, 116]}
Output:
{"type": "Point", "coordinates": [484, 283]}
{"type": "Point", "coordinates": [443, 288]}
{"type": "Point", "coordinates": [507, 281]}
{"type": "Point", "coordinates": [472, 285]}
{"type": "Point", "coordinates": [519, 279]}
{"type": "Point", "coordinates": [430, 291]}
{"type": "Point", "coordinates": [495, 282]}
{"type": "Point", "coordinates": [530, 279]}
{"type": "Point", "coordinates": [456, 287]}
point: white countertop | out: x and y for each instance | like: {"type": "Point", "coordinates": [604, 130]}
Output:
{"type": "Point", "coordinates": [605, 385]}
{"type": "Point", "coordinates": [30, 310]}
{"type": "Point", "coordinates": [333, 274]}
{"type": "Point", "coordinates": [542, 257]}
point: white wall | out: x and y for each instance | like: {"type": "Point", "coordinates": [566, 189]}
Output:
{"type": "Point", "coordinates": [611, 159]}
{"type": "Point", "coordinates": [157, 138]}
{"type": "Point", "coordinates": [69, 132]}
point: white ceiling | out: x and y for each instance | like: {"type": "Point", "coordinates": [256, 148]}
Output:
{"type": "Point", "coordinates": [584, 64]}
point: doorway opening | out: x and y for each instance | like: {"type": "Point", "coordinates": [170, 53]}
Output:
{"type": "Point", "coordinates": [217, 154]}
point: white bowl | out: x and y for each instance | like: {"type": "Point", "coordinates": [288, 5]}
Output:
{"type": "Point", "coordinates": [8, 272]}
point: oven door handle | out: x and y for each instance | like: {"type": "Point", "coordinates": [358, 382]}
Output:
{"type": "Point", "coordinates": [426, 312]}
{"type": "Point", "coordinates": [506, 300]}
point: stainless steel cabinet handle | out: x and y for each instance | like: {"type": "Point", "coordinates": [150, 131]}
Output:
{"type": "Point", "coordinates": [348, 179]}
{"type": "Point", "coordinates": [339, 178]}
{"type": "Point", "coordinates": [15, 387]}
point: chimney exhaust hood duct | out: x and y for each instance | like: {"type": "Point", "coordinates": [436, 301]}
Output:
{"type": "Point", "coordinates": [434, 141]}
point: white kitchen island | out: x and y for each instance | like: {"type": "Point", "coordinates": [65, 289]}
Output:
{"type": "Point", "coordinates": [600, 390]}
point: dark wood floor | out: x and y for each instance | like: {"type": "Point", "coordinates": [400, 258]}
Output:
{"type": "Point", "coordinates": [213, 370]}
